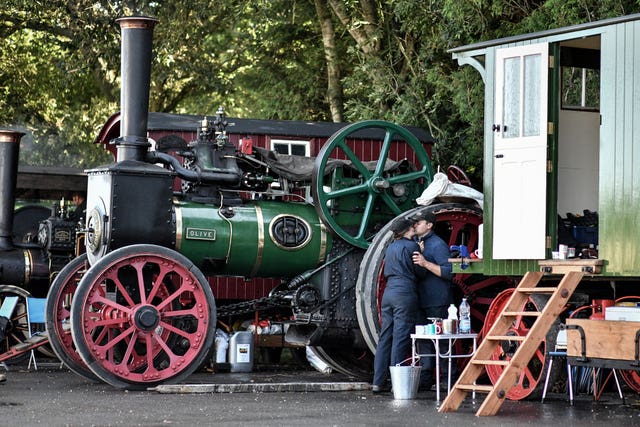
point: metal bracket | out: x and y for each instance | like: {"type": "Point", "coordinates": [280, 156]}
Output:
{"type": "Point", "coordinates": [583, 341]}
{"type": "Point", "coordinates": [636, 341]}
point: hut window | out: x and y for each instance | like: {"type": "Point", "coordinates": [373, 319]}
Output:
{"type": "Point", "coordinates": [580, 76]}
{"type": "Point", "coordinates": [296, 148]}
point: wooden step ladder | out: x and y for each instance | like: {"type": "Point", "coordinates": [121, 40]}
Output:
{"type": "Point", "coordinates": [529, 344]}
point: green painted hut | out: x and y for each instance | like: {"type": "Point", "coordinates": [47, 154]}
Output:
{"type": "Point", "coordinates": [561, 136]}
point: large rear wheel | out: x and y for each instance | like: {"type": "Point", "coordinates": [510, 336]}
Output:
{"type": "Point", "coordinates": [143, 315]}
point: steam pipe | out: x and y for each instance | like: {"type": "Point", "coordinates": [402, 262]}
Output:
{"type": "Point", "coordinates": [9, 151]}
{"type": "Point", "coordinates": [135, 69]}
{"type": "Point", "coordinates": [222, 176]}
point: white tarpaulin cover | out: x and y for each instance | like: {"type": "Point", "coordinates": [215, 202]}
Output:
{"type": "Point", "coordinates": [441, 186]}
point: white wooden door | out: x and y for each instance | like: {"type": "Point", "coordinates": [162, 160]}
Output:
{"type": "Point", "coordinates": [520, 152]}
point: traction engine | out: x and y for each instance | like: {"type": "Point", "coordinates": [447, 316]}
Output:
{"type": "Point", "coordinates": [137, 309]}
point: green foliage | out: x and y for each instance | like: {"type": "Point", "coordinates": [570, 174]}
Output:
{"type": "Point", "coordinates": [59, 64]}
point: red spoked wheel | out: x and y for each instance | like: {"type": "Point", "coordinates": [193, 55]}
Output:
{"type": "Point", "coordinates": [632, 379]}
{"type": "Point", "coordinates": [17, 329]}
{"type": "Point", "coordinates": [59, 316]}
{"type": "Point", "coordinates": [531, 380]}
{"type": "Point", "coordinates": [143, 315]}
{"type": "Point", "coordinates": [458, 176]}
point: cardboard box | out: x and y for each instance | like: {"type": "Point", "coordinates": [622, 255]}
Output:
{"type": "Point", "coordinates": [630, 314]}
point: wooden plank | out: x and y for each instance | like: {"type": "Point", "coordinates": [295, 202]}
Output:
{"type": "Point", "coordinates": [522, 313]}
{"type": "Point", "coordinates": [576, 262]}
{"type": "Point", "coordinates": [491, 362]}
{"type": "Point", "coordinates": [506, 338]}
{"type": "Point", "coordinates": [589, 266]}
{"type": "Point", "coordinates": [605, 339]}
{"type": "Point", "coordinates": [475, 387]}
{"type": "Point", "coordinates": [540, 290]}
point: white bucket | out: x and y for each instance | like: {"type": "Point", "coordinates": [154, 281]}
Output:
{"type": "Point", "coordinates": [405, 381]}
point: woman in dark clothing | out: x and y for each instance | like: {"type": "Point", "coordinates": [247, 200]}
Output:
{"type": "Point", "coordinates": [399, 303]}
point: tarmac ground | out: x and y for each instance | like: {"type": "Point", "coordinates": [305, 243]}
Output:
{"type": "Point", "coordinates": [54, 396]}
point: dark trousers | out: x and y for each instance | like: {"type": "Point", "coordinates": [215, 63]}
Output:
{"type": "Point", "coordinates": [394, 343]}
{"type": "Point", "coordinates": [428, 363]}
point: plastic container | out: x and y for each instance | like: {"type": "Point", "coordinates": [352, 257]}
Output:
{"type": "Point", "coordinates": [585, 235]}
{"type": "Point", "coordinates": [241, 352]}
{"type": "Point", "coordinates": [465, 317]}
{"type": "Point", "coordinates": [453, 312]}
{"type": "Point", "coordinates": [222, 346]}
{"type": "Point", "coordinates": [405, 381]}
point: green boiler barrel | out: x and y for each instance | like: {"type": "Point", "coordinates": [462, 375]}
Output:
{"type": "Point", "coordinates": [258, 239]}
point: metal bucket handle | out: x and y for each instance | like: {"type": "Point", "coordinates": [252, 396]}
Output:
{"type": "Point", "coordinates": [413, 360]}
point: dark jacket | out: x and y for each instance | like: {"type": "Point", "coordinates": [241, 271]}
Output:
{"type": "Point", "coordinates": [434, 291]}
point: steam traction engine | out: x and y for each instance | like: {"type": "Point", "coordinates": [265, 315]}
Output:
{"type": "Point", "coordinates": [138, 304]}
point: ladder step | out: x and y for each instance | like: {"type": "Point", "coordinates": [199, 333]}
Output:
{"type": "Point", "coordinates": [475, 387]}
{"type": "Point", "coordinates": [505, 337]}
{"type": "Point", "coordinates": [540, 290]}
{"type": "Point", "coordinates": [491, 362]}
{"type": "Point", "coordinates": [522, 313]}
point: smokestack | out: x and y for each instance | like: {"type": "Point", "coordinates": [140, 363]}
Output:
{"type": "Point", "coordinates": [9, 150]}
{"type": "Point", "coordinates": [135, 69]}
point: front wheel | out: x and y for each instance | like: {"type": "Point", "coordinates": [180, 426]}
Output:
{"type": "Point", "coordinates": [143, 315]}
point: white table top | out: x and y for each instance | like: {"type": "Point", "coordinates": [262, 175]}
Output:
{"type": "Point", "coordinates": [440, 336]}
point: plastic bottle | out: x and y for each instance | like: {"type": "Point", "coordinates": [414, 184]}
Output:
{"type": "Point", "coordinates": [465, 317]}
{"type": "Point", "coordinates": [450, 325]}
{"type": "Point", "coordinates": [453, 312]}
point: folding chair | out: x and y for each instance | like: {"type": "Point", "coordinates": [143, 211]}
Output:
{"type": "Point", "coordinates": [6, 310]}
{"type": "Point", "coordinates": [559, 351]}
{"type": "Point", "coordinates": [36, 318]}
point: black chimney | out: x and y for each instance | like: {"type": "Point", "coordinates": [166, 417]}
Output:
{"type": "Point", "coordinates": [9, 150]}
{"type": "Point", "coordinates": [135, 69]}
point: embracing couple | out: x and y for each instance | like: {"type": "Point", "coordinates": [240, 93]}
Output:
{"type": "Point", "coordinates": [418, 286]}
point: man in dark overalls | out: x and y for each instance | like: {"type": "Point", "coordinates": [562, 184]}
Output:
{"type": "Point", "coordinates": [434, 288]}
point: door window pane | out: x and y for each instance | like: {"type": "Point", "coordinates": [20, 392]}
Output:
{"type": "Point", "coordinates": [511, 90]}
{"type": "Point", "coordinates": [532, 95]}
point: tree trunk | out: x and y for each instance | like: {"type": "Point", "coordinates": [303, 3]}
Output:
{"type": "Point", "coordinates": [363, 28]}
{"type": "Point", "coordinates": [334, 85]}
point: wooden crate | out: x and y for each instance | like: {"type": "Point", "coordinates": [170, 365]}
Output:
{"type": "Point", "coordinates": [604, 339]}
